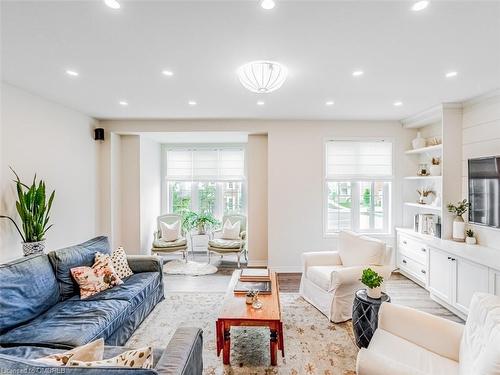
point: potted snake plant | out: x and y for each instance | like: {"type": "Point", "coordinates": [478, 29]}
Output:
{"type": "Point", "coordinates": [33, 209]}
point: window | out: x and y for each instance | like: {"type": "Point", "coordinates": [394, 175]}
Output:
{"type": "Point", "coordinates": [358, 186]}
{"type": "Point", "coordinates": [205, 179]}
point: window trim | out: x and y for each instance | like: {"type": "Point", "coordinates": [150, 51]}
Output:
{"type": "Point", "coordinates": [327, 234]}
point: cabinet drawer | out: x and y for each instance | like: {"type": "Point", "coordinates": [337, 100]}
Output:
{"type": "Point", "coordinates": [418, 270]}
{"type": "Point", "coordinates": [413, 249]}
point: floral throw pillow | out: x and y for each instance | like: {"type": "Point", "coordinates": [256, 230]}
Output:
{"type": "Point", "coordinates": [120, 264]}
{"type": "Point", "coordinates": [93, 351]}
{"type": "Point", "coordinates": [139, 358]}
{"type": "Point", "coordinates": [95, 279]}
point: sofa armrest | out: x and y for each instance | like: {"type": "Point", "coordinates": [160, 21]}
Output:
{"type": "Point", "coordinates": [352, 274]}
{"type": "Point", "coordinates": [438, 335]}
{"type": "Point", "coordinates": [145, 263]}
{"type": "Point", "coordinates": [320, 258]}
{"type": "Point", "coordinates": [371, 363]}
{"type": "Point", "coordinates": [183, 355]}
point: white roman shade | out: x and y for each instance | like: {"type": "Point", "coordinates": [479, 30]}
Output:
{"type": "Point", "coordinates": [205, 164]}
{"type": "Point", "coordinates": [351, 159]}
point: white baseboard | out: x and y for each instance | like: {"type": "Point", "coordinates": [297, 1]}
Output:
{"type": "Point", "coordinates": [286, 269]}
{"type": "Point", "coordinates": [257, 263]}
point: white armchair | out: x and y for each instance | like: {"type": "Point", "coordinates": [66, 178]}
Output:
{"type": "Point", "coordinates": [408, 341]}
{"type": "Point", "coordinates": [330, 278]}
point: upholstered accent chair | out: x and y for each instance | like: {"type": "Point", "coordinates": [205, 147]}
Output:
{"type": "Point", "coordinates": [408, 341]}
{"type": "Point", "coordinates": [330, 278]}
{"type": "Point", "coordinates": [179, 245]}
{"type": "Point", "coordinates": [222, 246]}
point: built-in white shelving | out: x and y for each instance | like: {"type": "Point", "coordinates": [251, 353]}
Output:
{"type": "Point", "coordinates": [433, 178]}
{"type": "Point", "coordinates": [424, 206]}
{"type": "Point", "coordinates": [425, 150]}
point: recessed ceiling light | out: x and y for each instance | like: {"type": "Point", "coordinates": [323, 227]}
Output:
{"type": "Point", "coordinates": [357, 73]}
{"type": "Point", "coordinates": [419, 5]}
{"type": "Point", "coordinates": [260, 102]}
{"type": "Point", "coordinates": [397, 103]}
{"type": "Point", "coordinates": [167, 73]}
{"type": "Point", "coordinates": [192, 103]}
{"type": "Point", "coordinates": [113, 4]}
{"type": "Point", "coordinates": [72, 73]}
{"type": "Point", "coordinates": [329, 102]}
{"type": "Point", "coordinates": [451, 74]}
{"type": "Point", "coordinates": [267, 4]}
{"type": "Point", "coordinates": [123, 103]}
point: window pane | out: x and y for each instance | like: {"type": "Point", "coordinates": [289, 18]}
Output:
{"type": "Point", "coordinates": [339, 206]}
{"type": "Point", "coordinates": [180, 193]}
{"type": "Point", "coordinates": [233, 200]}
{"type": "Point", "coordinates": [371, 206]}
{"type": "Point", "coordinates": [207, 195]}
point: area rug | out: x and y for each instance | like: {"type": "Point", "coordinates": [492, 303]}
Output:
{"type": "Point", "coordinates": [313, 345]}
{"type": "Point", "coordinates": [180, 267]}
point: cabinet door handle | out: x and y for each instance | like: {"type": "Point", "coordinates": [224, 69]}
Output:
{"type": "Point", "coordinates": [449, 258]}
{"type": "Point", "coordinates": [453, 259]}
{"type": "Point", "coordinates": [423, 271]}
{"type": "Point", "coordinates": [424, 249]}
{"type": "Point", "coordinates": [404, 261]}
{"type": "Point", "coordinates": [405, 243]}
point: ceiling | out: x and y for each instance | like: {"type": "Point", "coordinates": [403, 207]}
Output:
{"type": "Point", "coordinates": [120, 54]}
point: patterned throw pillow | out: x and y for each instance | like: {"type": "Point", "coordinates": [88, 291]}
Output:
{"type": "Point", "coordinates": [92, 351]}
{"type": "Point", "coordinates": [120, 264]}
{"type": "Point", "coordinates": [140, 358]}
{"type": "Point", "coordinates": [95, 279]}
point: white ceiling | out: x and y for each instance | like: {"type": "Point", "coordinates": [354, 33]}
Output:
{"type": "Point", "coordinates": [120, 56]}
{"type": "Point", "coordinates": [196, 137]}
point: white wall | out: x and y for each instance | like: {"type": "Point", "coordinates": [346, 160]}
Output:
{"type": "Point", "coordinates": [150, 194]}
{"type": "Point", "coordinates": [256, 160]}
{"type": "Point", "coordinates": [56, 143]}
{"type": "Point", "coordinates": [295, 173]}
{"type": "Point", "coordinates": [481, 137]}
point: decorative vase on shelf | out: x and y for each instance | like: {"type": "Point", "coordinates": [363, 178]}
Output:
{"type": "Point", "coordinates": [435, 170]}
{"type": "Point", "coordinates": [418, 142]}
{"type": "Point", "coordinates": [30, 248]}
{"type": "Point", "coordinates": [375, 293]}
{"type": "Point", "coordinates": [458, 229]}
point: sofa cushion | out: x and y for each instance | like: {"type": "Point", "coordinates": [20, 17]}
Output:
{"type": "Point", "coordinates": [75, 256]}
{"type": "Point", "coordinates": [322, 275]}
{"type": "Point", "coordinates": [359, 250]}
{"type": "Point", "coordinates": [405, 352]}
{"type": "Point", "coordinates": [480, 345]}
{"type": "Point", "coordinates": [70, 323]}
{"type": "Point", "coordinates": [28, 288]}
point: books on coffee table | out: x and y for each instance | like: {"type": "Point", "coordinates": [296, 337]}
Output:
{"type": "Point", "coordinates": [242, 287]}
{"type": "Point", "coordinates": [255, 274]}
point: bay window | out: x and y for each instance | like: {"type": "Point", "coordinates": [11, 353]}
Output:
{"type": "Point", "coordinates": [358, 178]}
{"type": "Point", "coordinates": [205, 179]}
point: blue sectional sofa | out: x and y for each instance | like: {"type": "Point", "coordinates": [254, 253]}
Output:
{"type": "Point", "coordinates": [41, 310]}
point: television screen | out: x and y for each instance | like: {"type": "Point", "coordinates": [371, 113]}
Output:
{"type": "Point", "coordinates": [484, 191]}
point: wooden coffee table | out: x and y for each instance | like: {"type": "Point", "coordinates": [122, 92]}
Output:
{"type": "Point", "coordinates": [235, 312]}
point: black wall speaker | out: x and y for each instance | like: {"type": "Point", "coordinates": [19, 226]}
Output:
{"type": "Point", "coordinates": [99, 134]}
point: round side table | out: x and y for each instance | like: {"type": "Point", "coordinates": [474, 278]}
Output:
{"type": "Point", "coordinates": [365, 316]}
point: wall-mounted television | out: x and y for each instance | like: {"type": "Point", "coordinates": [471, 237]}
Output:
{"type": "Point", "coordinates": [484, 191]}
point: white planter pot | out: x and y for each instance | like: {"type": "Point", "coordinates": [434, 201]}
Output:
{"type": "Point", "coordinates": [418, 142]}
{"type": "Point", "coordinates": [458, 229]}
{"type": "Point", "coordinates": [374, 293]}
{"type": "Point", "coordinates": [470, 240]}
{"type": "Point", "coordinates": [435, 170]}
{"type": "Point", "coordinates": [30, 248]}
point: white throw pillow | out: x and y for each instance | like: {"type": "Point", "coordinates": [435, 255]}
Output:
{"type": "Point", "coordinates": [358, 250]}
{"type": "Point", "coordinates": [231, 231]}
{"type": "Point", "coordinates": [480, 345]}
{"type": "Point", "coordinates": [170, 232]}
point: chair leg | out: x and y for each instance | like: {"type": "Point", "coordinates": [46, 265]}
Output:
{"type": "Point", "coordinates": [208, 256]}
{"type": "Point", "coordinates": [245, 253]}
{"type": "Point", "coordinates": [185, 256]}
{"type": "Point", "coordinates": [239, 255]}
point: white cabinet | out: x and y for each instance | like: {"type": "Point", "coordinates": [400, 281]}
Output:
{"type": "Point", "coordinates": [494, 282]}
{"type": "Point", "coordinates": [412, 258]}
{"type": "Point", "coordinates": [468, 278]}
{"type": "Point", "coordinates": [440, 275]}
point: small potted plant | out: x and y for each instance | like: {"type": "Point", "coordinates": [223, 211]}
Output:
{"type": "Point", "coordinates": [374, 283]}
{"type": "Point", "coordinates": [423, 195]}
{"type": "Point", "coordinates": [202, 222]}
{"type": "Point", "coordinates": [435, 168]}
{"type": "Point", "coordinates": [470, 239]}
{"type": "Point", "coordinates": [458, 222]}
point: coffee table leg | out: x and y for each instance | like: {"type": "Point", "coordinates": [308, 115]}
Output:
{"type": "Point", "coordinates": [281, 340]}
{"type": "Point", "coordinates": [226, 351]}
{"type": "Point", "coordinates": [274, 347]}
